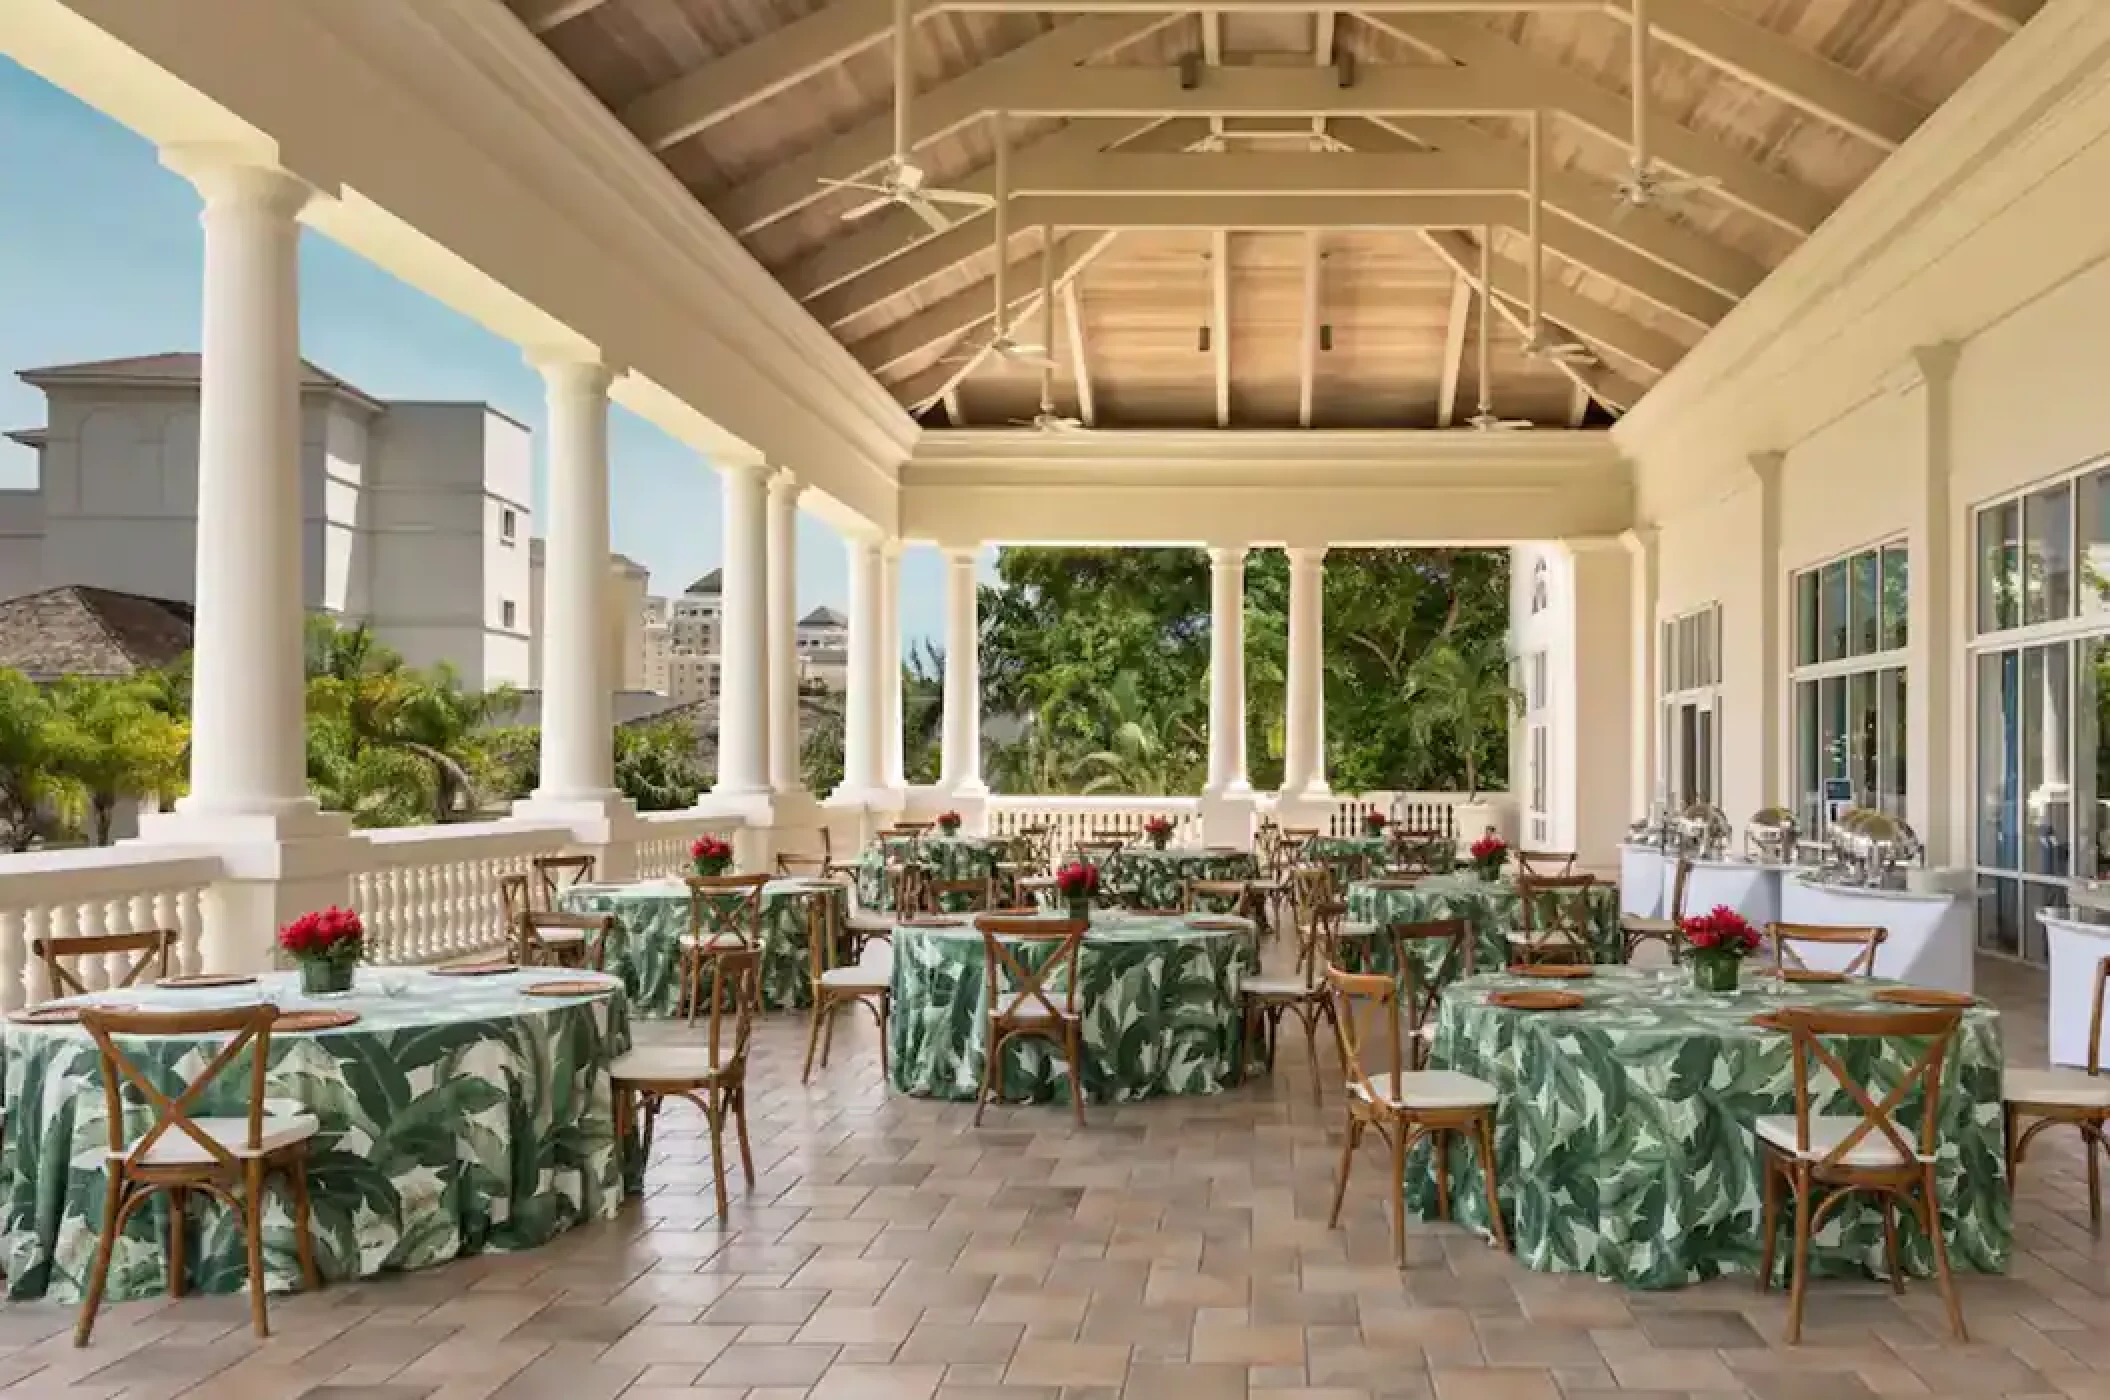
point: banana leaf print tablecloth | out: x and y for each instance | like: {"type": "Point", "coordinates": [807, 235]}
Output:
{"type": "Point", "coordinates": [1142, 877]}
{"type": "Point", "coordinates": [652, 915]}
{"type": "Point", "coordinates": [942, 857]}
{"type": "Point", "coordinates": [1159, 1000]}
{"type": "Point", "coordinates": [459, 1116]}
{"type": "Point", "coordinates": [1624, 1139]}
{"type": "Point", "coordinates": [1492, 909]}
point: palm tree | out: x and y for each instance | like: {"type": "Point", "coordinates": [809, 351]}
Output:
{"type": "Point", "coordinates": [1460, 692]}
{"type": "Point", "coordinates": [28, 754]}
{"type": "Point", "coordinates": [922, 711]}
{"type": "Point", "coordinates": [1143, 755]}
{"type": "Point", "coordinates": [114, 741]}
{"type": "Point", "coordinates": [375, 784]}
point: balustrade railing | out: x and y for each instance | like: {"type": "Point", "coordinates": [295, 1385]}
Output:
{"type": "Point", "coordinates": [113, 889]}
{"type": "Point", "coordinates": [1416, 811]}
{"type": "Point", "coordinates": [431, 892]}
{"type": "Point", "coordinates": [1069, 820]}
{"type": "Point", "coordinates": [664, 849]}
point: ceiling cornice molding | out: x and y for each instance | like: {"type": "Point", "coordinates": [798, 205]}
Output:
{"type": "Point", "coordinates": [1227, 456]}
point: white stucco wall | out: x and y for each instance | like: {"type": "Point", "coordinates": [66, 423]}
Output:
{"type": "Point", "coordinates": [21, 542]}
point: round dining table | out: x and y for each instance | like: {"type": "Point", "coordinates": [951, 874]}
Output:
{"type": "Point", "coordinates": [942, 858]}
{"type": "Point", "coordinates": [458, 1115]}
{"type": "Point", "coordinates": [1492, 909]}
{"type": "Point", "coordinates": [652, 915]}
{"type": "Point", "coordinates": [1158, 994]}
{"type": "Point", "coordinates": [1623, 1135]}
{"type": "Point", "coordinates": [1150, 877]}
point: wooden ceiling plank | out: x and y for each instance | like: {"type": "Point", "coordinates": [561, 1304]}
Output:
{"type": "Point", "coordinates": [753, 73]}
{"type": "Point", "coordinates": [1307, 378]}
{"type": "Point", "coordinates": [794, 183]}
{"type": "Point", "coordinates": [2008, 15]}
{"type": "Point", "coordinates": [1645, 277]}
{"type": "Point", "coordinates": [1254, 213]}
{"type": "Point", "coordinates": [954, 414]}
{"type": "Point", "coordinates": [1080, 354]}
{"type": "Point", "coordinates": [1220, 321]}
{"type": "Point", "coordinates": [1608, 387]}
{"type": "Point", "coordinates": [1054, 90]}
{"type": "Point", "coordinates": [1247, 172]}
{"type": "Point", "coordinates": [1578, 405]}
{"type": "Point", "coordinates": [541, 16]}
{"type": "Point", "coordinates": [916, 393]}
{"type": "Point", "coordinates": [971, 307]}
{"type": "Point", "coordinates": [1773, 63]}
{"type": "Point", "coordinates": [1453, 351]}
{"type": "Point", "coordinates": [1744, 182]}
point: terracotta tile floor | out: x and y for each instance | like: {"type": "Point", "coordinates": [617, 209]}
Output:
{"type": "Point", "coordinates": [1174, 1249]}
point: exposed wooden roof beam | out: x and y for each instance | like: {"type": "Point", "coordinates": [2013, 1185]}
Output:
{"type": "Point", "coordinates": [1054, 90]}
{"type": "Point", "coordinates": [1501, 8]}
{"type": "Point", "coordinates": [1248, 172]}
{"type": "Point", "coordinates": [1578, 405]}
{"type": "Point", "coordinates": [1453, 351]}
{"type": "Point", "coordinates": [1608, 387]}
{"type": "Point", "coordinates": [971, 307]}
{"type": "Point", "coordinates": [794, 183]}
{"type": "Point", "coordinates": [919, 390]}
{"type": "Point", "coordinates": [2009, 15]}
{"type": "Point", "coordinates": [541, 16]}
{"type": "Point", "coordinates": [1744, 182]}
{"type": "Point", "coordinates": [1220, 321]}
{"type": "Point", "coordinates": [1080, 357]}
{"type": "Point", "coordinates": [1775, 64]}
{"type": "Point", "coordinates": [1213, 54]}
{"type": "Point", "coordinates": [1576, 315]}
{"type": "Point", "coordinates": [1307, 378]}
{"type": "Point", "coordinates": [954, 414]}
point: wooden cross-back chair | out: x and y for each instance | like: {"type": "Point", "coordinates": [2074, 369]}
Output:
{"type": "Point", "coordinates": [1020, 1000]}
{"type": "Point", "coordinates": [1403, 1105]}
{"type": "Point", "coordinates": [1100, 849]}
{"type": "Point", "coordinates": [711, 1074]}
{"type": "Point", "coordinates": [1637, 929]}
{"type": "Point", "coordinates": [145, 954]}
{"type": "Point", "coordinates": [516, 898]}
{"type": "Point", "coordinates": [838, 984]}
{"type": "Point", "coordinates": [1291, 842]}
{"type": "Point", "coordinates": [2080, 1097]}
{"type": "Point", "coordinates": [1420, 852]}
{"type": "Point", "coordinates": [551, 938]}
{"type": "Point", "coordinates": [974, 895]}
{"type": "Point", "coordinates": [1554, 917]}
{"type": "Point", "coordinates": [1824, 1159]}
{"type": "Point", "coordinates": [227, 1158]}
{"type": "Point", "coordinates": [1545, 864]}
{"type": "Point", "coordinates": [1430, 955]}
{"type": "Point", "coordinates": [1266, 998]}
{"type": "Point", "coordinates": [1309, 887]}
{"type": "Point", "coordinates": [1236, 898]}
{"type": "Point", "coordinates": [725, 915]}
{"type": "Point", "coordinates": [1786, 955]}
{"type": "Point", "coordinates": [818, 867]}
{"type": "Point", "coordinates": [555, 874]}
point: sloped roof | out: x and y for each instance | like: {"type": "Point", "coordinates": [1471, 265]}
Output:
{"type": "Point", "coordinates": [172, 367]}
{"type": "Point", "coordinates": [824, 617]}
{"type": "Point", "coordinates": [711, 583]}
{"type": "Point", "coordinates": [91, 632]}
{"type": "Point", "coordinates": [28, 437]}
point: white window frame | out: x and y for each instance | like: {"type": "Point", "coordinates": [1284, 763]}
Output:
{"type": "Point", "coordinates": [1845, 669]}
{"type": "Point", "coordinates": [508, 525]}
{"type": "Point", "coordinates": [508, 614]}
{"type": "Point", "coordinates": [1538, 746]}
{"type": "Point", "coordinates": [1689, 661]}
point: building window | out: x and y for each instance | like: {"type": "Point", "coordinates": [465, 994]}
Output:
{"type": "Point", "coordinates": [507, 613]}
{"type": "Point", "coordinates": [1691, 661]}
{"type": "Point", "coordinates": [1846, 686]}
{"type": "Point", "coordinates": [1538, 588]}
{"type": "Point", "coordinates": [508, 525]}
{"type": "Point", "coordinates": [1538, 752]}
{"type": "Point", "coordinates": [2041, 668]}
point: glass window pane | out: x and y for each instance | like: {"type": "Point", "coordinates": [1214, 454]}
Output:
{"type": "Point", "coordinates": [1999, 918]}
{"type": "Point", "coordinates": [1866, 601]}
{"type": "Point", "coordinates": [2047, 560]}
{"type": "Point", "coordinates": [2093, 509]}
{"type": "Point", "coordinates": [1999, 843]}
{"type": "Point", "coordinates": [1805, 618]}
{"type": "Point", "coordinates": [1997, 547]}
{"type": "Point", "coordinates": [2037, 896]}
{"type": "Point", "coordinates": [2046, 739]}
{"type": "Point", "coordinates": [1831, 609]}
{"type": "Point", "coordinates": [1667, 658]}
{"type": "Point", "coordinates": [1861, 736]}
{"type": "Point", "coordinates": [2091, 760]}
{"type": "Point", "coordinates": [1890, 762]}
{"type": "Point", "coordinates": [1703, 750]}
{"type": "Point", "coordinates": [1896, 599]}
{"type": "Point", "coordinates": [1809, 806]}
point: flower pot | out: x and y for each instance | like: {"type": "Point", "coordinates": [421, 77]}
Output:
{"type": "Point", "coordinates": [1080, 910]}
{"type": "Point", "coordinates": [327, 977]}
{"type": "Point", "coordinates": [1714, 971]}
{"type": "Point", "coordinates": [1159, 840]}
{"type": "Point", "coordinates": [713, 866]}
{"type": "Point", "coordinates": [948, 829]}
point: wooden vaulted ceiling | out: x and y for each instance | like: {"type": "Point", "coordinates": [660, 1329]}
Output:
{"type": "Point", "coordinates": [1291, 235]}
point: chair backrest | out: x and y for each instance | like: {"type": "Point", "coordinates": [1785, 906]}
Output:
{"type": "Point", "coordinates": [1445, 943]}
{"type": "Point", "coordinates": [1309, 887]}
{"type": "Point", "coordinates": [249, 1026]}
{"type": "Point", "coordinates": [734, 975]}
{"type": "Point", "coordinates": [1099, 850]}
{"type": "Point", "coordinates": [2095, 1018]}
{"type": "Point", "coordinates": [1319, 939]}
{"type": "Point", "coordinates": [725, 911]}
{"type": "Point", "coordinates": [515, 897]}
{"type": "Point", "coordinates": [823, 935]}
{"type": "Point", "coordinates": [147, 952]}
{"type": "Point", "coordinates": [1029, 848]}
{"type": "Point", "coordinates": [1678, 884]}
{"type": "Point", "coordinates": [1293, 840]}
{"type": "Point", "coordinates": [905, 882]}
{"type": "Point", "coordinates": [1553, 911]}
{"type": "Point", "coordinates": [1420, 852]}
{"type": "Point", "coordinates": [1004, 975]}
{"type": "Point", "coordinates": [554, 874]}
{"type": "Point", "coordinates": [1784, 937]}
{"type": "Point", "coordinates": [1217, 897]}
{"type": "Point", "coordinates": [1812, 1027]}
{"type": "Point", "coordinates": [1545, 864]}
{"type": "Point", "coordinates": [1365, 1009]}
{"type": "Point", "coordinates": [808, 867]}
{"type": "Point", "coordinates": [529, 927]}
{"type": "Point", "coordinates": [969, 896]}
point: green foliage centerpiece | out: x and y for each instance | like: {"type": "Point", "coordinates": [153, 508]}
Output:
{"type": "Point", "coordinates": [1716, 944]}
{"type": "Point", "coordinates": [1159, 832]}
{"type": "Point", "coordinates": [1078, 884]}
{"type": "Point", "coordinates": [710, 855]}
{"type": "Point", "coordinates": [326, 945]}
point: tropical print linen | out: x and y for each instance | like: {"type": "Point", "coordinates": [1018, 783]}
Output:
{"type": "Point", "coordinates": [1491, 909]}
{"type": "Point", "coordinates": [942, 858]}
{"type": "Point", "coordinates": [1142, 877]}
{"type": "Point", "coordinates": [652, 915]}
{"type": "Point", "coordinates": [1159, 1000]}
{"type": "Point", "coordinates": [1624, 1139]}
{"type": "Point", "coordinates": [459, 1115]}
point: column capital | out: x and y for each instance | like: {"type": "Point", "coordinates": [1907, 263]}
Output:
{"type": "Point", "coordinates": [1929, 365]}
{"type": "Point", "coordinates": [890, 547]}
{"type": "Point", "coordinates": [1227, 556]}
{"type": "Point", "coordinates": [228, 176]}
{"type": "Point", "coordinates": [785, 486]}
{"type": "Point", "coordinates": [745, 466]}
{"type": "Point", "coordinates": [572, 369]}
{"type": "Point", "coordinates": [1306, 555]}
{"type": "Point", "coordinates": [1641, 540]}
{"type": "Point", "coordinates": [967, 555]}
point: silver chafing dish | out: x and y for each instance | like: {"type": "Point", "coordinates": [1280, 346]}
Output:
{"type": "Point", "coordinates": [1655, 830]}
{"type": "Point", "coordinates": [1872, 848]}
{"type": "Point", "coordinates": [1771, 836]}
{"type": "Point", "coordinates": [1703, 832]}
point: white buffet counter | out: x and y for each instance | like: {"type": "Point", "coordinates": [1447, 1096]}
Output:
{"type": "Point", "coordinates": [1931, 936]}
{"type": "Point", "coordinates": [1642, 873]}
{"type": "Point", "coordinates": [1751, 889]}
{"type": "Point", "coordinates": [2074, 948]}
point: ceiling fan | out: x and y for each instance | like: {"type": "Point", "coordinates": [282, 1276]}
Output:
{"type": "Point", "coordinates": [1538, 342]}
{"type": "Point", "coordinates": [1003, 344]}
{"type": "Point", "coordinates": [1646, 183]}
{"type": "Point", "coordinates": [901, 181]}
{"type": "Point", "coordinates": [1047, 420]}
{"type": "Point", "coordinates": [1485, 421]}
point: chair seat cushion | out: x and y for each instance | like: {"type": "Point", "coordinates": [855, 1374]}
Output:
{"type": "Point", "coordinates": [1642, 925]}
{"type": "Point", "coordinates": [664, 1064]}
{"type": "Point", "coordinates": [2066, 1088]}
{"type": "Point", "coordinates": [1827, 1131]}
{"type": "Point", "coordinates": [176, 1148]}
{"type": "Point", "coordinates": [712, 942]}
{"type": "Point", "coordinates": [1429, 1088]}
{"type": "Point", "coordinates": [1277, 986]}
{"type": "Point", "coordinates": [869, 924]}
{"type": "Point", "coordinates": [1357, 928]}
{"type": "Point", "coordinates": [1030, 1012]}
{"type": "Point", "coordinates": [560, 937]}
{"type": "Point", "coordinates": [865, 977]}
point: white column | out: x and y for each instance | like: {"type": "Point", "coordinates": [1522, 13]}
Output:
{"type": "Point", "coordinates": [893, 766]}
{"type": "Point", "coordinates": [961, 762]}
{"type": "Point", "coordinates": [1937, 609]}
{"type": "Point", "coordinates": [578, 754]}
{"type": "Point", "coordinates": [863, 701]}
{"type": "Point", "coordinates": [1304, 743]}
{"type": "Point", "coordinates": [784, 492]}
{"type": "Point", "coordinates": [1642, 555]}
{"type": "Point", "coordinates": [1775, 784]}
{"type": "Point", "coordinates": [248, 694]}
{"type": "Point", "coordinates": [1227, 773]}
{"type": "Point", "coordinates": [743, 648]}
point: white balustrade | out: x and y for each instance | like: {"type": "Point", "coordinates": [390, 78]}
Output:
{"type": "Point", "coordinates": [664, 848]}
{"type": "Point", "coordinates": [430, 893]}
{"type": "Point", "coordinates": [1069, 820]}
{"type": "Point", "coordinates": [110, 889]}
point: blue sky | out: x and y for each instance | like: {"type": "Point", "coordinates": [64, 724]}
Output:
{"type": "Point", "coordinates": [100, 257]}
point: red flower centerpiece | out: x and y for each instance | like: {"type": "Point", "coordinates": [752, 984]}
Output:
{"type": "Point", "coordinates": [711, 855]}
{"type": "Point", "coordinates": [1159, 830]}
{"type": "Point", "coordinates": [1077, 883]}
{"type": "Point", "coordinates": [1488, 855]}
{"type": "Point", "coordinates": [1716, 943]}
{"type": "Point", "coordinates": [949, 823]}
{"type": "Point", "coordinates": [326, 945]}
{"type": "Point", "coordinates": [1373, 823]}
